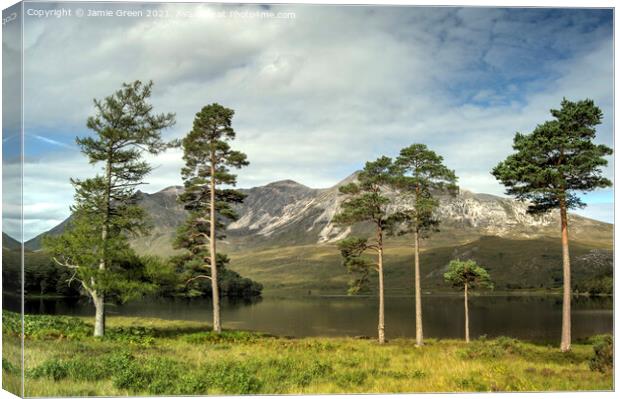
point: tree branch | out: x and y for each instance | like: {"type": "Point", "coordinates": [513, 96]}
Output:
{"type": "Point", "coordinates": [65, 264]}
{"type": "Point", "coordinates": [197, 277]}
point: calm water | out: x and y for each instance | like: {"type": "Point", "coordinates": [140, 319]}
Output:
{"type": "Point", "coordinates": [528, 317]}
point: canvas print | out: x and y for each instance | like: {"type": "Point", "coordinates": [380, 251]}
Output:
{"type": "Point", "coordinates": [231, 199]}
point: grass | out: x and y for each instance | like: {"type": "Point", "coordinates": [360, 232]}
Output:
{"type": "Point", "coordinates": [141, 356]}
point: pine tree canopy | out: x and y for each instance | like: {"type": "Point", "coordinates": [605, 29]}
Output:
{"type": "Point", "coordinates": [468, 272]}
{"type": "Point", "coordinates": [365, 200]}
{"type": "Point", "coordinates": [557, 159]}
{"type": "Point", "coordinates": [125, 127]}
{"type": "Point", "coordinates": [420, 175]}
{"type": "Point", "coordinates": [207, 153]}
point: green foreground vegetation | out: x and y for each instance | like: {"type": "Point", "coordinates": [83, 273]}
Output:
{"type": "Point", "coordinates": [140, 356]}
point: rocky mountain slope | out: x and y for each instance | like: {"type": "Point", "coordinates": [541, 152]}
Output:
{"type": "Point", "coordinates": [286, 213]}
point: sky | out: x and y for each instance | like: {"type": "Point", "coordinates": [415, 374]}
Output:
{"type": "Point", "coordinates": [317, 92]}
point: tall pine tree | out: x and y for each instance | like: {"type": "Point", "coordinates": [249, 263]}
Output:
{"type": "Point", "coordinates": [208, 159]}
{"type": "Point", "coordinates": [549, 166]}
{"type": "Point", "coordinates": [422, 176]}
{"type": "Point", "coordinates": [365, 202]}
{"type": "Point", "coordinates": [105, 210]}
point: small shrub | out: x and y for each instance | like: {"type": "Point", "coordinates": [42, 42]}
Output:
{"type": "Point", "coordinates": [306, 374]}
{"type": "Point", "coordinates": [142, 336]}
{"type": "Point", "coordinates": [77, 369]}
{"type": "Point", "coordinates": [232, 377]}
{"type": "Point", "coordinates": [45, 327]}
{"type": "Point", "coordinates": [119, 360]}
{"type": "Point", "coordinates": [54, 369]}
{"type": "Point", "coordinates": [163, 374]}
{"type": "Point", "coordinates": [125, 372]}
{"type": "Point", "coordinates": [492, 349]}
{"type": "Point", "coordinates": [11, 323]}
{"type": "Point", "coordinates": [190, 384]}
{"type": "Point", "coordinates": [509, 345]}
{"type": "Point", "coordinates": [132, 378]}
{"type": "Point", "coordinates": [9, 367]}
{"type": "Point", "coordinates": [603, 358]}
{"type": "Point", "coordinates": [157, 376]}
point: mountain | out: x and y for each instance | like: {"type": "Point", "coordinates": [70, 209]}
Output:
{"type": "Point", "coordinates": [10, 243]}
{"type": "Point", "coordinates": [36, 243]}
{"type": "Point", "coordinates": [286, 213]}
{"type": "Point", "coordinates": [285, 239]}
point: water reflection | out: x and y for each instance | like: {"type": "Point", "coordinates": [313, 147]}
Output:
{"type": "Point", "coordinates": [535, 318]}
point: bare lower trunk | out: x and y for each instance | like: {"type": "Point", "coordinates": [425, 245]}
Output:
{"type": "Point", "coordinates": [466, 316]}
{"type": "Point", "coordinates": [381, 326]}
{"type": "Point", "coordinates": [217, 327]}
{"type": "Point", "coordinates": [419, 336]}
{"type": "Point", "coordinates": [566, 299]}
{"type": "Point", "coordinates": [98, 300]}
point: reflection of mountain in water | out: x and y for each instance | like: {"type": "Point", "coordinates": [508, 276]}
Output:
{"type": "Point", "coordinates": [534, 318]}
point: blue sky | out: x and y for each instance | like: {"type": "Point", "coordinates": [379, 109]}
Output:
{"type": "Point", "coordinates": [318, 95]}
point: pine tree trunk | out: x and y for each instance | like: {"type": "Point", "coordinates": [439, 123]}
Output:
{"type": "Point", "coordinates": [217, 327]}
{"type": "Point", "coordinates": [566, 299]}
{"type": "Point", "coordinates": [381, 326]}
{"type": "Point", "coordinates": [418, 293]}
{"type": "Point", "coordinates": [466, 316]}
{"type": "Point", "coordinates": [98, 300]}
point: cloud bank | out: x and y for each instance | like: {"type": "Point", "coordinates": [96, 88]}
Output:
{"type": "Point", "coordinates": [319, 94]}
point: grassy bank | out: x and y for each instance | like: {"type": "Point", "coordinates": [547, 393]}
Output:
{"type": "Point", "coordinates": [154, 357]}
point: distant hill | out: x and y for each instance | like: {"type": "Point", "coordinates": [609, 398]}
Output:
{"type": "Point", "coordinates": [285, 236]}
{"type": "Point", "coordinates": [36, 243]}
{"type": "Point", "coordinates": [10, 243]}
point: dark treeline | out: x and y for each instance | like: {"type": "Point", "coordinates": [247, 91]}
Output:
{"type": "Point", "coordinates": [42, 277]}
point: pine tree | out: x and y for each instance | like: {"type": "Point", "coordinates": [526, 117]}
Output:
{"type": "Point", "coordinates": [208, 159]}
{"type": "Point", "coordinates": [105, 211]}
{"type": "Point", "coordinates": [422, 175]}
{"type": "Point", "coordinates": [366, 203]}
{"type": "Point", "coordinates": [467, 275]}
{"type": "Point", "coordinates": [549, 166]}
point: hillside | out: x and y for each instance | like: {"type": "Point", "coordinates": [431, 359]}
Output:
{"type": "Point", "coordinates": [513, 264]}
{"type": "Point", "coordinates": [10, 243]}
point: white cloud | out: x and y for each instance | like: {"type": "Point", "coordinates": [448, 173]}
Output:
{"type": "Point", "coordinates": [317, 96]}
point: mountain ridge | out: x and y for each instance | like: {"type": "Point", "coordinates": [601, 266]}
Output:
{"type": "Point", "coordinates": [286, 212]}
